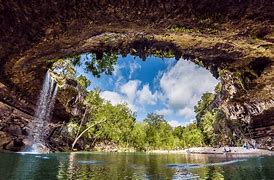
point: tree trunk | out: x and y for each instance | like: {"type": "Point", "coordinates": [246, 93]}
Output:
{"type": "Point", "coordinates": [78, 137]}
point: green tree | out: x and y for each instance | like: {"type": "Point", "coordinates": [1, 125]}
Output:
{"type": "Point", "coordinates": [64, 68]}
{"type": "Point", "coordinates": [105, 121]}
{"type": "Point", "coordinates": [158, 132]}
{"type": "Point", "coordinates": [192, 136]}
{"type": "Point", "coordinates": [96, 65]}
{"type": "Point", "coordinates": [138, 136]}
{"type": "Point", "coordinates": [154, 120]}
{"type": "Point", "coordinates": [178, 131]}
{"type": "Point", "coordinates": [83, 81]}
{"type": "Point", "coordinates": [103, 64]}
{"type": "Point", "coordinates": [208, 122]}
{"type": "Point", "coordinates": [178, 134]}
{"type": "Point", "coordinates": [203, 106]}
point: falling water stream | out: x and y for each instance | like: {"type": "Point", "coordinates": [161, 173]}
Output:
{"type": "Point", "coordinates": [45, 105]}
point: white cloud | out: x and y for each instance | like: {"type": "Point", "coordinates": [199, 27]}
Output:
{"type": "Point", "coordinates": [130, 89]}
{"type": "Point", "coordinates": [118, 82]}
{"type": "Point", "coordinates": [179, 89]}
{"type": "Point", "coordinates": [117, 76]}
{"type": "Point", "coordinates": [184, 84]}
{"type": "Point", "coordinates": [113, 97]}
{"type": "Point", "coordinates": [116, 98]}
{"type": "Point", "coordinates": [186, 112]}
{"type": "Point", "coordinates": [174, 123]}
{"type": "Point", "coordinates": [145, 96]}
{"type": "Point", "coordinates": [116, 70]}
{"type": "Point", "coordinates": [132, 68]}
{"type": "Point", "coordinates": [164, 111]}
{"type": "Point", "coordinates": [133, 94]}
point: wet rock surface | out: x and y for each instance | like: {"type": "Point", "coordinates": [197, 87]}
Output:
{"type": "Point", "coordinates": [233, 37]}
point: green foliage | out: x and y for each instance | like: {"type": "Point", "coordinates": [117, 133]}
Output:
{"type": "Point", "coordinates": [117, 121]}
{"type": "Point", "coordinates": [105, 64]}
{"type": "Point", "coordinates": [202, 107]}
{"type": "Point", "coordinates": [179, 131]}
{"type": "Point", "coordinates": [154, 120]}
{"type": "Point", "coordinates": [83, 81]}
{"type": "Point", "coordinates": [119, 124]}
{"type": "Point", "coordinates": [163, 54]}
{"type": "Point", "coordinates": [119, 127]}
{"type": "Point", "coordinates": [215, 127]}
{"type": "Point", "coordinates": [159, 132]}
{"type": "Point", "coordinates": [179, 28]}
{"type": "Point", "coordinates": [72, 128]}
{"type": "Point", "coordinates": [156, 133]}
{"type": "Point", "coordinates": [138, 136]}
{"type": "Point", "coordinates": [192, 136]}
{"type": "Point", "coordinates": [239, 77]}
{"type": "Point", "coordinates": [66, 67]}
{"type": "Point", "coordinates": [74, 59]}
{"type": "Point", "coordinates": [218, 88]}
{"type": "Point", "coordinates": [244, 77]}
{"type": "Point", "coordinates": [199, 63]}
{"type": "Point", "coordinates": [209, 120]}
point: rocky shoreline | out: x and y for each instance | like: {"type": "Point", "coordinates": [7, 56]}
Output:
{"type": "Point", "coordinates": [211, 150]}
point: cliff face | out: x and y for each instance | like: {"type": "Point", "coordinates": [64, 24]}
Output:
{"type": "Point", "coordinates": [232, 38]}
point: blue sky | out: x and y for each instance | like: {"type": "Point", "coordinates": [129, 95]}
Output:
{"type": "Point", "coordinates": [164, 86]}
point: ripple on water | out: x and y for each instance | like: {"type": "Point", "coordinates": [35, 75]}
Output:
{"type": "Point", "coordinates": [185, 175]}
{"type": "Point", "coordinates": [183, 166]}
{"type": "Point", "coordinates": [91, 162]}
{"type": "Point", "coordinates": [42, 157]}
{"type": "Point", "coordinates": [191, 166]}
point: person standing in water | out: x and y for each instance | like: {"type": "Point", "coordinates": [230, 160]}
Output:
{"type": "Point", "coordinates": [254, 143]}
{"type": "Point", "coordinates": [245, 146]}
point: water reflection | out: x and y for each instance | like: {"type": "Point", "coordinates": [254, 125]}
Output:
{"type": "Point", "coordinates": [132, 166]}
{"type": "Point", "coordinates": [26, 166]}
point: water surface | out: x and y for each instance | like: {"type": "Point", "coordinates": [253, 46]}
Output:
{"type": "Point", "coordinates": [133, 166]}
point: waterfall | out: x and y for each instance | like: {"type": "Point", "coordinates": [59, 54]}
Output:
{"type": "Point", "coordinates": [45, 105]}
